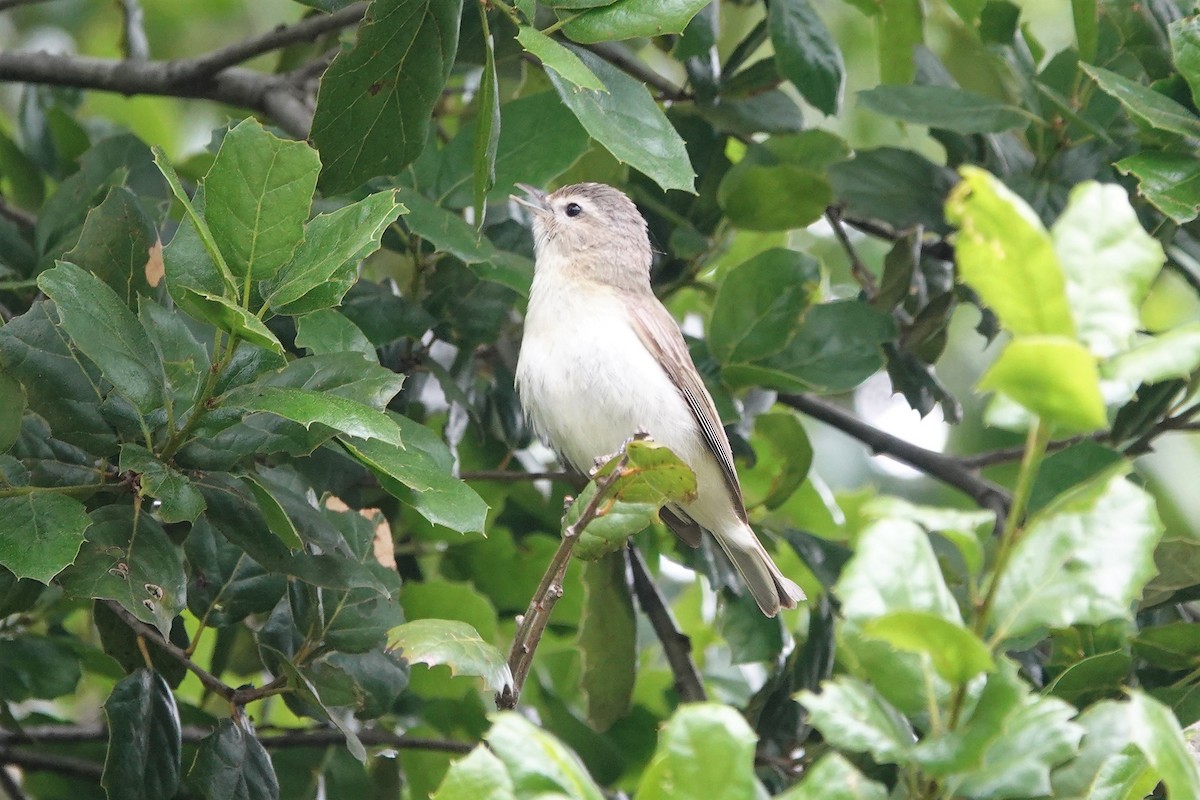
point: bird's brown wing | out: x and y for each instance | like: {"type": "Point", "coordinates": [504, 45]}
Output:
{"type": "Point", "coordinates": [657, 329]}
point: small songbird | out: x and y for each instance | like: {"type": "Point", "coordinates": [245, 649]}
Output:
{"type": "Point", "coordinates": [602, 358]}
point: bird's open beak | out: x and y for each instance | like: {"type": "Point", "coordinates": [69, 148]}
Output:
{"type": "Point", "coordinates": [534, 199]}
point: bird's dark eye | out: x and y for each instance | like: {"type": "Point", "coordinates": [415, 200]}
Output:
{"type": "Point", "coordinates": [574, 209]}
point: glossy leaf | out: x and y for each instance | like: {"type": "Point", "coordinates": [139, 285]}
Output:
{"type": "Point", "coordinates": [40, 533]}
{"type": "Point", "coordinates": [1006, 256]}
{"type": "Point", "coordinates": [477, 776]}
{"type": "Point", "coordinates": [537, 762]}
{"type": "Point", "coordinates": [807, 54]}
{"type": "Point", "coordinates": [118, 244]}
{"type": "Point", "coordinates": [1185, 47]}
{"type": "Point", "coordinates": [444, 642]}
{"type": "Point", "coordinates": [144, 739]}
{"type": "Point", "coordinates": [704, 750]}
{"type": "Point", "coordinates": [328, 331]}
{"type": "Point", "coordinates": [832, 777]}
{"type": "Point", "coordinates": [1144, 104]}
{"type": "Point", "coordinates": [760, 303]}
{"type": "Point", "coordinates": [852, 716]}
{"type": "Point", "coordinates": [24, 672]}
{"type": "Point", "coordinates": [558, 58]}
{"type": "Point", "coordinates": [310, 408]}
{"type": "Point", "coordinates": [1173, 354]}
{"type": "Point", "coordinates": [627, 19]}
{"type": "Point", "coordinates": [106, 331]}
{"type": "Point", "coordinates": [945, 107]}
{"type": "Point", "coordinates": [1156, 732]}
{"type": "Point", "coordinates": [957, 654]}
{"type": "Point", "coordinates": [487, 129]}
{"type": "Point", "coordinates": [179, 500]}
{"type": "Point", "coordinates": [1053, 377]}
{"type": "Point", "coordinates": [231, 764]}
{"type": "Point", "coordinates": [898, 186]}
{"type": "Point", "coordinates": [776, 197]}
{"type": "Point", "coordinates": [1082, 559]}
{"type": "Point", "coordinates": [376, 98]}
{"type": "Point", "coordinates": [628, 123]}
{"type": "Point", "coordinates": [1170, 181]}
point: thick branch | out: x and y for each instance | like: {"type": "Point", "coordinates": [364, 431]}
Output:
{"type": "Point", "coordinates": [45, 762]}
{"type": "Point", "coordinates": [676, 645]}
{"type": "Point", "coordinates": [944, 468]}
{"type": "Point", "coordinates": [533, 623]}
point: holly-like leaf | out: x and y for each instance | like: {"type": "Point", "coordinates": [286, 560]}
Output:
{"type": "Point", "coordinates": [1144, 104]}
{"type": "Point", "coordinates": [478, 776]}
{"type": "Point", "coordinates": [1082, 559]}
{"type": "Point", "coordinates": [23, 668]}
{"type": "Point", "coordinates": [1054, 377]}
{"type": "Point", "coordinates": [628, 19]}
{"type": "Point", "coordinates": [144, 739]}
{"type": "Point", "coordinates": [628, 123]}
{"type": "Point", "coordinates": [180, 500]}
{"type": "Point", "coordinates": [853, 716]}
{"type": "Point", "coordinates": [760, 303]}
{"type": "Point", "coordinates": [231, 764]}
{"type": "Point", "coordinates": [558, 58]}
{"type": "Point", "coordinates": [538, 763]}
{"type": "Point", "coordinates": [834, 778]}
{"type": "Point", "coordinates": [1170, 181]}
{"type": "Point", "coordinates": [117, 245]}
{"type": "Point", "coordinates": [807, 53]}
{"type": "Point", "coordinates": [40, 533]}
{"type": "Point", "coordinates": [454, 644]}
{"type": "Point", "coordinates": [309, 408]}
{"type": "Point", "coordinates": [957, 654]}
{"type": "Point", "coordinates": [704, 750]}
{"type": "Point", "coordinates": [945, 107]}
{"type": "Point", "coordinates": [376, 98]}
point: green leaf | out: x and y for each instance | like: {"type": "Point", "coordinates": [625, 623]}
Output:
{"type": "Point", "coordinates": [607, 641]}
{"type": "Point", "coordinates": [1170, 181]}
{"type": "Point", "coordinates": [836, 348]}
{"type": "Point", "coordinates": [118, 244]}
{"type": "Point", "coordinates": [1007, 744]}
{"type": "Point", "coordinates": [783, 455]}
{"type": "Point", "coordinates": [206, 265]}
{"type": "Point", "coordinates": [1173, 354]}
{"type": "Point", "coordinates": [900, 187]}
{"type": "Point", "coordinates": [852, 716]}
{"type": "Point", "coordinates": [627, 122]}
{"type": "Point", "coordinates": [327, 331]}
{"type": "Point", "coordinates": [944, 107]}
{"type": "Point", "coordinates": [1107, 767]}
{"type": "Point", "coordinates": [417, 479]}
{"type": "Point", "coordinates": [376, 98]}
{"type": "Point", "coordinates": [807, 53]}
{"type": "Point", "coordinates": [871, 586]}
{"type": "Point", "coordinates": [180, 500]}
{"type": "Point", "coordinates": [333, 245]}
{"type": "Point", "coordinates": [558, 58]}
{"type": "Point", "coordinates": [704, 750]}
{"type": "Point", "coordinates": [40, 533]}
{"type": "Point", "coordinates": [539, 764]}
{"type": "Point", "coordinates": [759, 197]}
{"type": "Point", "coordinates": [184, 359]}
{"type": "Point", "coordinates": [235, 584]}
{"type": "Point", "coordinates": [128, 557]}
{"type": "Point", "coordinates": [309, 408]}
{"type": "Point", "coordinates": [1155, 731]}
{"type": "Point", "coordinates": [760, 303]}
{"type": "Point", "coordinates": [144, 739]}
{"type": "Point", "coordinates": [628, 19]}
{"type": "Point", "coordinates": [1006, 256]}
{"type": "Point", "coordinates": [477, 776]}
{"type": "Point", "coordinates": [1144, 104]}
{"type": "Point", "coordinates": [454, 644]}
{"type": "Point", "coordinates": [651, 477]}
{"type": "Point", "coordinates": [1053, 377]}
{"type": "Point", "coordinates": [487, 128]}
{"type": "Point", "coordinates": [12, 408]}
{"type": "Point", "coordinates": [231, 764]}
{"type": "Point", "coordinates": [957, 654]}
{"type": "Point", "coordinates": [258, 192]}
{"type": "Point", "coordinates": [277, 519]}
{"type": "Point", "coordinates": [25, 671]}
{"type": "Point", "coordinates": [1082, 559]}
{"type": "Point", "coordinates": [1185, 47]}
{"type": "Point", "coordinates": [900, 29]}
{"type": "Point", "coordinates": [1109, 262]}
{"type": "Point", "coordinates": [106, 331]}
{"type": "Point", "coordinates": [834, 778]}
{"type": "Point", "coordinates": [1084, 15]}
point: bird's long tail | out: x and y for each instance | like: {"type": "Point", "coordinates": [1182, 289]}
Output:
{"type": "Point", "coordinates": [767, 585]}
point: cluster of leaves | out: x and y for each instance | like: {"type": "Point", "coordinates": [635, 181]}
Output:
{"type": "Point", "coordinates": [231, 460]}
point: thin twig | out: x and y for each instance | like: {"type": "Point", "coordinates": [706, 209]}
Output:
{"type": "Point", "coordinates": [1006, 455]}
{"type": "Point", "coordinates": [676, 645]}
{"type": "Point", "coordinates": [45, 762]}
{"type": "Point", "coordinates": [616, 55]}
{"type": "Point", "coordinates": [857, 269]}
{"type": "Point", "coordinates": [5, 5]}
{"type": "Point", "coordinates": [1176, 422]}
{"type": "Point", "coordinates": [18, 215]}
{"type": "Point", "coordinates": [306, 30]}
{"type": "Point", "coordinates": [937, 248]}
{"type": "Point", "coordinates": [533, 623]}
{"type": "Point", "coordinates": [136, 45]}
{"type": "Point", "coordinates": [507, 476]}
{"type": "Point", "coordinates": [944, 468]}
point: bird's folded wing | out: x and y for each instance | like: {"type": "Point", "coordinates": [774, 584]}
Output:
{"type": "Point", "coordinates": [658, 331]}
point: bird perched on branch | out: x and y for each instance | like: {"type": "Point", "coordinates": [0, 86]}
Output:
{"type": "Point", "coordinates": [601, 358]}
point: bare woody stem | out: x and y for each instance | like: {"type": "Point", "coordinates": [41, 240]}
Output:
{"type": "Point", "coordinates": [676, 645]}
{"type": "Point", "coordinates": [536, 617]}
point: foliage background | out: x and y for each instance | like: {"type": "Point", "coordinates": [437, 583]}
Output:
{"type": "Point", "coordinates": [190, 602]}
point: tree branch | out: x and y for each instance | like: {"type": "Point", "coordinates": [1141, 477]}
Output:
{"type": "Point", "coordinates": [857, 269]}
{"type": "Point", "coordinates": [938, 248]}
{"type": "Point", "coordinates": [615, 54]}
{"type": "Point", "coordinates": [136, 45]}
{"type": "Point", "coordinates": [507, 476]}
{"type": "Point", "coordinates": [676, 645]}
{"type": "Point", "coordinates": [45, 762]}
{"type": "Point", "coordinates": [533, 623]}
{"type": "Point", "coordinates": [944, 468]}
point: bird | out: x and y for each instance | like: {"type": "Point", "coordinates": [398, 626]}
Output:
{"type": "Point", "coordinates": [601, 359]}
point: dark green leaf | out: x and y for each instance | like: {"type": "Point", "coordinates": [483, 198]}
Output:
{"type": "Point", "coordinates": [1083, 13]}
{"type": "Point", "coordinates": [900, 187]}
{"type": "Point", "coordinates": [107, 332]}
{"type": "Point", "coordinates": [231, 764]}
{"type": "Point", "coordinates": [144, 739]}
{"type": "Point", "coordinates": [627, 19]}
{"type": "Point", "coordinates": [119, 245]}
{"type": "Point", "coordinates": [310, 408]}
{"type": "Point", "coordinates": [607, 641]}
{"type": "Point", "coordinates": [180, 501]}
{"type": "Point", "coordinates": [1144, 104]}
{"type": "Point", "coordinates": [184, 359]}
{"type": "Point", "coordinates": [12, 408]}
{"type": "Point", "coordinates": [40, 533]}
{"type": "Point", "coordinates": [538, 763]}
{"type": "Point", "coordinates": [777, 197]}
{"type": "Point", "coordinates": [417, 479]}
{"type": "Point", "coordinates": [203, 266]}
{"type": "Point", "coordinates": [807, 54]}
{"type": "Point", "coordinates": [760, 303]}
{"type": "Point", "coordinates": [453, 644]}
{"type": "Point", "coordinates": [277, 519]}
{"type": "Point", "coordinates": [945, 107]}
{"type": "Point", "coordinates": [226, 584]}
{"type": "Point", "coordinates": [36, 667]}
{"type": "Point", "coordinates": [487, 129]}
{"type": "Point", "coordinates": [628, 123]}
{"type": "Point", "coordinates": [1170, 181]}
{"type": "Point", "coordinates": [128, 557]}
{"type": "Point", "coordinates": [328, 331]}
{"type": "Point", "coordinates": [376, 98]}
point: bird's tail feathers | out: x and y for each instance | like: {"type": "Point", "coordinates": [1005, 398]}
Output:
{"type": "Point", "coordinates": [768, 586]}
